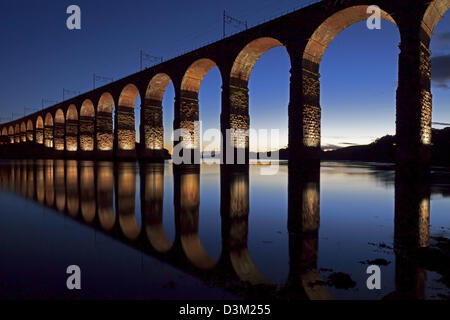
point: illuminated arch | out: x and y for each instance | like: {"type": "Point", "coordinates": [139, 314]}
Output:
{"type": "Point", "coordinates": [39, 123]}
{"type": "Point", "coordinates": [30, 136]}
{"type": "Point", "coordinates": [434, 14]}
{"type": "Point", "coordinates": [249, 55]}
{"type": "Point", "coordinates": [4, 131]}
{"type": "Point", "coordinates": [189, 105]}
{"type": "Point", "coordinates": [11, 134]}
{"type": "Point", "coordinates": [29, 125]}
{"type": "Point", "coordinates": [48, 130]}
{"type": "Point", "coordinates": [59, 131]}
{"type": "Point", "coordinates": [317, 44]}
{"type": "Point", "coordinates": [72, 128]}
{"type": "Point", "coordinates": [239, 77]}
{"type": "Point", "coordinates": [17, 133]}
{"type": "Point", "coordinates": [157, 86]}
{"type": "Point", "coordinates": [87, 114]}
{"type": "Point", "coordinates": [48, 120]}
{"type": "Point", "coordinates": [39, 130]}
{"type": "Point", "coordinates": [72, 113]}
{"type": "Point", "coordinates": [105, 137]}
{"type": "Point", "coordinates": [330, 28]}
{"type": "Point", "coordinates": [23, 132]}
{"type": "Point", "coordinates": [59, 116]}
{"type": "Point", "coordinates": [106, 103]}
{"type": "Point", "coordinates": [152, 128]}
{"type": "Point", "coordinates": [125, 118]}
{"type": "Point", "coordinates": [128, 96]}
{"type": "Point", "coordinates": [87, 109]}
{"type": "Point", "coordinates": [195, 74]}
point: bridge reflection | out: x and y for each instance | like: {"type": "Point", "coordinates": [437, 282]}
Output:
{"type": "Point", "coordinates": [102, 195]}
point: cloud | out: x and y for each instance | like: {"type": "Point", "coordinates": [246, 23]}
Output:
{"type": "Point", "coordinates": [441, 71]}
{"type": "Point", "coordinates": [440, 124]}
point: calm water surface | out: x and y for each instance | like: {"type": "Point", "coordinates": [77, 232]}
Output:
{"type": "Point", "coordinates": [157, 231]}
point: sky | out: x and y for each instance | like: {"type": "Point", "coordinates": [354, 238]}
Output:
{"type": "Point", "coordinates": [41, 56]}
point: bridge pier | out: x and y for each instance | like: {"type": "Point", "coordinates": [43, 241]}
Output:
{"type": "Point", "coordinates": [152, 131]}
{"type": "Point", "coordinates": [86, 133]}
{"type": "Point", "coordinates": [48, 136]}
{"type": "Point", "coordinates": [125, 134]}
{"type": "Point", "coordinates": [104, 133]}
{"type": "Point", "coordinates": [59, 132]}
{"type": "Point", "coordinates": [304, 113]}
{"type": "Point", "coordinates": [236, 118]}
{"type": "Point", "coordinates": [71, 137]}
{"type": "Point", "coordinates": [414, 102]}
{"type": "Point", "coordinates": [186, 115]}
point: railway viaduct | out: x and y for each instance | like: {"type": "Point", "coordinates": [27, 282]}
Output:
{"type": "Point", "coordinates": [83, 125]}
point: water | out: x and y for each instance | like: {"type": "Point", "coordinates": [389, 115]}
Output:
{"type": "Point", "coordinates": [157, 231]}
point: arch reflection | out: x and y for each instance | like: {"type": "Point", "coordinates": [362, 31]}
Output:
{"type": "Point", "coordinates": [105, 197]}
{"type": "Point", "coordinates": [60, 185]}
{"type": "Point", "coordinates": [72, 185]}
{"type": "Point", "coordinates": [152, 198]}
{"type": "Point", "coordinates": [87, 191]}
{"type": "Point", "coordinates": [234, 206]}
{"type": "Point", "coordinates": [412, 232]}
{"type": "Point", "coordinates": [187, 203]}
{"type": "Point", "coordinates": [125, 199]}
{"type": "Point", "coordinates": [303, 227]}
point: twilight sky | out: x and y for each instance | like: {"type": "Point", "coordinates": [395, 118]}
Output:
{"type": "Point", "coordinates": [41, 56]}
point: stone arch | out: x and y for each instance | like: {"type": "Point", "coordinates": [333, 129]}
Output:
{"type": "Point", "coordinates": [331, 27]}
{"type": "Point", "coordinates": [187, 113]}
{"type": "Point", "coordinates": [48, 120]}
{"type": "Point", "coordinates": [23, 132]}
{"type": "Point", "coordinates": [58, 133]}
{"type": "Point", "coordinates": [72, 113]}
{"type": "Point", "coordinates": [125, 133]}
{"type": "Point", "coordinates": [4, 131]}
{"type": "Point", "coordinates": [195, 73]}
{"type": "Point", "coordinates": [30, 135]}
{"type": "Point", "coordinates": [39, 130]}
{"type": "Point", "coordinates": [128, 96]}
{"type": "Point", "coordinates": [249, 55]}
{"type": "Point", "coordinates": [434, 13]}
{"type": "Point", "coordinates": [238, 113]}
{"type": "Point", "coordinates": [17, 133]}
{"type": "Point", "coordinates": [39, 123]}
{"type": "Point", "coordinates": [11, 134]}
{"type": "Point", "coordinates": [106, 103]}
{"type": "Point", "coordinates": [309, 136]}
{"type": "Point", "coordinates": [87, 109]}
{"type": "Point", "coordinates": [105, 137]}
{"type": "Point", "coordinates": [87, 125]}
{"type": "Point", "coordinates": [59, 116]}
{"type": "Point", "coordinates": [72, 128]}
{"type": "Point", "coordinates": [189, 197]}
{"type": "Point", "coordinates": [48, 130]}
{"type": "Point", "coordinates": [152, 129]}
